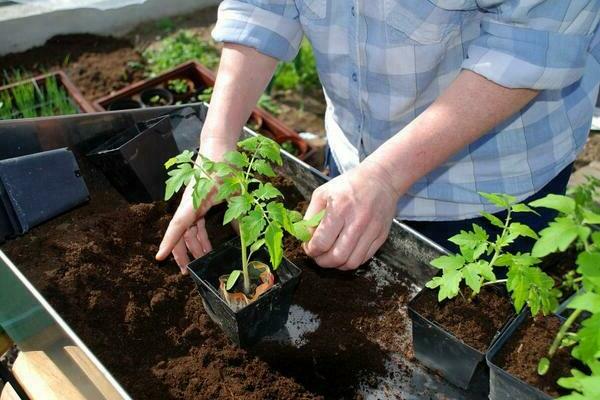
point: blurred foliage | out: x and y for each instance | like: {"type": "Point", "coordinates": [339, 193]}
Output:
{"type": "Point", "coordinates": [298, 74]}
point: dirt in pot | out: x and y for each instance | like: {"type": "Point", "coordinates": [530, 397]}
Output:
{"type": "Point", "coordinates": [146, 323]}
{"type": "Point", "coordinates": [523, 351]}
{"type": "Point", "coordinates": [474, 321]}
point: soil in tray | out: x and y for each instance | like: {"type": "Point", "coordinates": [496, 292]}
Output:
{"type": "Point", "coordinates": [522, 352]}
{"type": "Point", "coordinates": [146, 322]}
{"type": "Point", "coordinates": [473, 321]}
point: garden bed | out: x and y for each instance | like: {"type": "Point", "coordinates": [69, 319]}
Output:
{"type": "Point", "coordinates": [146, 322]}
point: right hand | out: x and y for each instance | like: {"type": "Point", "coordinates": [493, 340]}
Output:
{"type": "Point", "coordinates": [186, 232]}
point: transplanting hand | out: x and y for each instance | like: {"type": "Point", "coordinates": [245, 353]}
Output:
{"type": "Point", "coordinates": [360, 205]}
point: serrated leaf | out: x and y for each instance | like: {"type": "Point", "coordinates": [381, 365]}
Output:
{"type": "Point", "coordinates": [585, 387]}
{"type": "Point", "coordinates": [236, 207]}
{"type": "Point", "coordinates": [588, 347]}
{"type": "Point", "coordinates": [232, 279]}
{"type": "Point", "coordinates": [559, 235]}
{"type": "Point", "coordinates": [589, 268]}
{"type": "Point", "coordinates": [273, 239]}
{"type": "Point", "coordinates": [531, 286]}
{"type": "Point", "coordinates": [448, 262]}
{"type": "Point", "coordinates": [179, 177]}
{"type": "Point", "coordinates": [587, 301]}
{"type": "Point", "coordinates": [522, 208]}
{"type": "Point", "coordinates": [201, 191]}
{"type": "Point", "coordinates": [471, 239]}
{"type": "Point", "coordinates": [270, 150]}
{"type": "Point", "coordinates": [277, 212]}
{"type": "Point", "coordinates": [522, 230]}
{"type": "Point", "coordinates": [493, 219]}
{"type": "Point", "coordinates": [315, 219]}
{"type": "Point", "coordinates": [236, 158]}
{"type": "Point", "coordinates": [222, 169]}
{"type": "Point", "coordinates": [590, 217]}
{"type": "Point", "coordinates": [300, 231]}
{"type": "Point", "coordinates": [226, 189]}
{"type": "Point", "coordinates": [564, 204]}
{"type": "Point", "coordinates": [266, 191]}
{"type": "Point", "coordinates": [252, 225]}
{"type": "Point", "coordinates": [472, 278]}
{"type": "Point", "coordinates": [448, 284]}
{"type": "Point", "coordinates": [256, 245]}
{"type": "Point", "coordinates": [294, 216]}
{"type": "Point", "coordinates": [263, 167]}
{"type": "Point", "coordinates": [170, 162]}
{"type": "Point", "coordinates": [250, 144]}
{"type": "Point", "coordinates": [499, 199]}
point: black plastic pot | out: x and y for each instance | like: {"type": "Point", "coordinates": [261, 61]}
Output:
{"type": "Point", "coordinates": [440, 350]}
{"type": "Point", "coordinates": [37, 187]}
{"type": "Point", "coordinates": [186, 125]}
{"type": "Point", "coordinates": [124, 104]}
{"type": "Point", "coordinates": [265, 316]}
{"type": "Point", "coordinates": [147, 95]}
{"type": "Point", "coordinates": [503, 385]}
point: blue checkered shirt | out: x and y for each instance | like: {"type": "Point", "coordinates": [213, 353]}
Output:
{"type": "Point", "coordinates": [382, 62]}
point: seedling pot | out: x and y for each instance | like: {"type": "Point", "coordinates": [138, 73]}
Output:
{"type": "Point", "coordinates": [52, 176]}
{"type": "Point", "coordinates": [440, 350]}
{"type": "Point", "coordinates": [146, 97]}
{"type": "Point", "coordinates": [263, 317]}
{"type": "Point", "coordinates": [124, 104]}
{"type": "Point", "coordinates": [503, 385]}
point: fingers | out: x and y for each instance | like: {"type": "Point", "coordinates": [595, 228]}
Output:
{"type": "Point", "coordinates": [191, 241]}
{"type": "Point", "coordinates": [181, 256]}
{"type": "Point", "coordinates": [377, 243]}
{"type": "Point", "coordinates": [202, 236]}
{"type": "Point", "coordinates": [318, 201]}
{"type": "Point", "coordinates": [184, 217]}
{"type": "Point", "coordinates": [325, 235]}
{"type": "Point", "coordinates": [341, 249]}
{"type": "Point", "coordinates": [358, 254]}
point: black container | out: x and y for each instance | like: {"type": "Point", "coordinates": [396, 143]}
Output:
{"type": "Point", "coordinates": [124, 104]}
{"type": "Point", "coordinates": [186, 125]}
{"type": "Point", "coordinates": [439, 350]}
{"type": "Point", "coordinates": [133, 160]}
{"type": "Point", "coordinates": [164, 94]}
{"type": "Point", "coordinates": [265, 316]}
{"type": "Point", "coordinates": [37, 187]}
{"type": "Point", "coordinates": [503, 385]}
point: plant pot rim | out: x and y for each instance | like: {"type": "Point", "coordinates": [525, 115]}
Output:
{"type": "Point", "coordinates": [412, 311]}
{"type": "Point", "coordinates": [498, 345]}
{"type": "Point", "coordinates": [234, 245]}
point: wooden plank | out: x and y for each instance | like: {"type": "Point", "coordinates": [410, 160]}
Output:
{"type": "Point", "coordinates": [99, 381]}
{"type": "Point", "coordinates": [9, 393]}
{"type": "Point", "coordinates": [41, 379]}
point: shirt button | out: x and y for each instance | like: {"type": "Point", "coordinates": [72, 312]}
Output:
{"type": "Point", "coordinates": [353, 12]}
{"type": "Point", "coordinates": [354, 77]}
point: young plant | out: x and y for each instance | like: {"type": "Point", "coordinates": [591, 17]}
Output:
{"type": "Point", "coordinates": [577, 225]}
{"type": "Point", "coordinates": [479, 256]}
{"type": "Point", "coordinates": [179, 86]}
{"type": "Point", "coordinates": [6, 107]}
{"type": "Point", "coordinates": [254, 204]}
{"type": "Point", "coordinates": [289, 146]}
{"type": "Point", "coordinates": [266, 103]}
{"type": "Point", "coordinates": [206, 95]}
{"type": "Point", "coordinates": [24, 96]}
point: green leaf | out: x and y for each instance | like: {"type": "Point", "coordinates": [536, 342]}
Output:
{"type": "Point", "coordinates": [587, 301]}
{"type": "Point", "coordinates": [263, 167]}
{"type": "Point", "coordinates": [273, 239]}
{"type": "Point", "coordinates": [520, 229]}
{"type": "Point", "coordinates": [178, 178]}
{"type": "Point", "coordinates": [315, 219]}
{"type": "Point", "coordinates": [233, 277]}
{"type": "Point", "coordinates": [237, 206]}
{"type": "Point", "coordinates": [266, 191]}
{"type": "Point", "coordinates": [294, 216]}
{"type": "Point", "coordinates": [588, 348]}
{"type": "Point", "coordinates": [590, 217]}
{"type": "Point", "coordinates": [236, 158]}
{"type": "Point", "coordinates": [256, 245]}
{"type": "Point", "coordinates": [588, 266]}
{"type": "Point", "coordinates": [531, 286]}
{"type": "Point", "coordinates": [448, 262]}
{"type": "Point", "coordinates": [250, 144]}
{"type": "Point", "coordinates": [448, 284]}
{"type": "Point", "coordinates": [201, 191]}
{"type": "Point", "coordinates": [277, 212]}
{"type": "Point", "coordinates": [521, 208]}
{"type": "Point", "coordinates": [493, 219]}
{"type": "Point", "coordinates": [564, 204]}
{"type": "Point", "coordinates": [226, 189]}
{"type": "Point", "coordinates": [543, 366]}
{"type": "Point", "coordinates": [558, 236]}
{"type": "Point", "coordinates": [499, 199]}
{"type": "Point", "coordinates": [471, 239]}
{"type": "Point", "coordinates": [270, 150]}
{"type": "Point", "coordinates": [222, 169]}
{"type": "Point", "coordinates": [585, 387]}
{"type": "Point", "coordinates": [252, 225]}
{"type": "Point", "coordinates": [300, 231]}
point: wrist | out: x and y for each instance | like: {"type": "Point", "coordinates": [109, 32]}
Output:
{"type": "Point", "coordinates": [214, 147]}
{"type": "Point", "coordinates": [373, 169]}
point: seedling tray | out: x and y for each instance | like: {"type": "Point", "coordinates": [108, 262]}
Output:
{"type": "Point", "coordinates": [28, 318]}
{"type": "Point", "coordinates": [63, 80]}
{"type": "Point", "coordinates": [202, 78]}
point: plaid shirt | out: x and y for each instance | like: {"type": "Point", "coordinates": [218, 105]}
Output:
{"type": "Point", "coordinates": [382, 62]}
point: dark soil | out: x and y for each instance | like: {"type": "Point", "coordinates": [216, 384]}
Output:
{"type": "Point", "coordinates": [522, 352]}
{"type": "Point", "coordinates": [146, 323]}
{"type": "Point", "coordinates": [474, 321]}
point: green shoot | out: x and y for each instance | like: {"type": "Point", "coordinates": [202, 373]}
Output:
{"type": "Point", "coordinates": [179, 86]}
{"type": "Point", "coordinates": [266, 103]}
{"type": "Point", "coordinates": [479, 256]}
{"type": "Point", "coordinates": [254, 204]}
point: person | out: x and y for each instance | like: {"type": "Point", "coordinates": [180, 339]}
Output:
{"type": "Point", "coordinates": [429, 102]}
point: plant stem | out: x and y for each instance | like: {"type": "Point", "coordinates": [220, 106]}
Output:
{"type": "Point", "coordinates": [494, 282]}
{"type": "Point", "coordinates": [245, 264]}
{"type": "Point", "coordinates": [562, 332]}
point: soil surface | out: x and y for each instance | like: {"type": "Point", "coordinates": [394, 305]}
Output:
{"type": "Point", "coordinates": [474, 321]}
{"type": "Point", "coordinates": [521, 354]}
{"type": "Point", "coordinates": [146, 323]}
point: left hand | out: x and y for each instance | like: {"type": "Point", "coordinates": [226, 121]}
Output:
{"type": "Point", "coordinates": [360, 205]}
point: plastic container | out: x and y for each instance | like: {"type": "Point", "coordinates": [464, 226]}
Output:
{"type": "Point", "coordinates": [439, 350]}
{"type": "Point", "coordinates": [124, 104]}
{"type": "Point", "coordinates": [503, 385]}
{"type": "Point", "coordinates": [267, 315]}
{"type": "Point", "coordinates": [165, 97]}
{"type": "Point", "coordinates": [37, 187]}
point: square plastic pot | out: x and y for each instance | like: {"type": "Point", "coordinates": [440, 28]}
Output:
{"type": "Point", "coordinates": [133, 160]}
{"type": "Point", "coordinates": [503, 385]}
{"type": "Point", "coordinates": [37, 187]}
{"type": "Point", "coordinates": [265, 316]}
{"type": "Point", "coordinates": [439, 350]}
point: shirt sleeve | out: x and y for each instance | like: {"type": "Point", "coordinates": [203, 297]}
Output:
{"type": "Point", "coordinates": [537, 44]}
{"type": "Point", "coordinates": [270, 26]}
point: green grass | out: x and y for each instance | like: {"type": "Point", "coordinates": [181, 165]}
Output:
{"type": "Point", "coordinates": [298, 74]}
{"type": "Point", "coordinates": [177, 49]}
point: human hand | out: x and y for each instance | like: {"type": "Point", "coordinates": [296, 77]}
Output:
{"type": "Point", "coordinates": [360, 205]}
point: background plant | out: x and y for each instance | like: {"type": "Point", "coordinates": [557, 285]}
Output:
{"type": "Point", "coordinates": [479, 256]}
{"type": "Point", "coordinates": [254, 204]}
{"type": "Point", "coordinates": [577, 225]}
{"type": "Point", "coordinates": [179, 86]}
{"type": "Point", "coordinates": [299, 74]}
